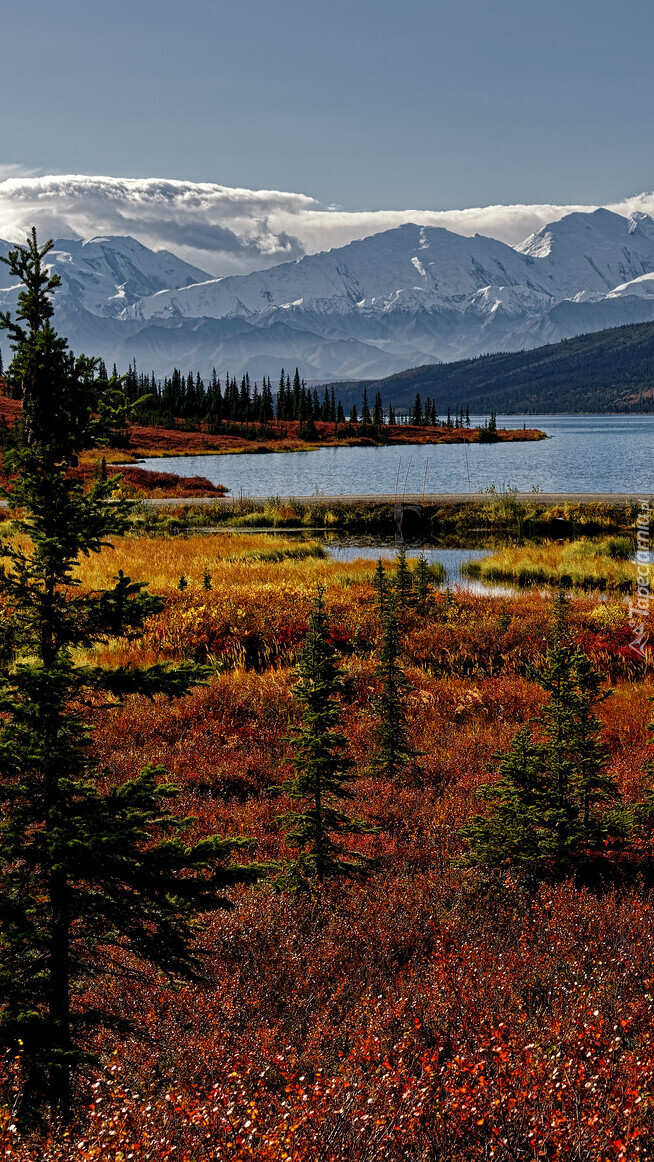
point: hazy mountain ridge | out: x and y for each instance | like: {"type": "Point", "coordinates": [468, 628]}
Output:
{"type": "Point", "coordinates": [408, 296]}
{"type": "Point", "coordinates": [607, 371]}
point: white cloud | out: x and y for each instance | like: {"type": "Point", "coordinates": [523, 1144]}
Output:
{"type": "Point", "coordinates": [225, 230]}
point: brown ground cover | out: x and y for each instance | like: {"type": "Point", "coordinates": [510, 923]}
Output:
{"type": "Point", "coordinates": [163, 441]}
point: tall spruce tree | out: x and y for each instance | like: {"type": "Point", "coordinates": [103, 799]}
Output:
{"type": "Point", "coordinates": [89, 873]}
{"type": "Point", "coordinates": [323, 769]}
{"type": "Point", "coordinates": [366, 417]}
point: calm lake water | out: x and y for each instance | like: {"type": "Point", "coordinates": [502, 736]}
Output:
{"type": "Point", "coordinates": [450, 559]}
{"type": "Point", "coordinates": [584, 454]}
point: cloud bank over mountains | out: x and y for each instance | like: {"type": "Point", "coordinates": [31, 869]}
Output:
{"type": "Point", "coordinates": [369, 293]}
{"type": "Point", "coordinates": [234, 231]}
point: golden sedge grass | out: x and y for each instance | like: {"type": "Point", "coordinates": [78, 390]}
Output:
{"type": "Point", "coordinates": [586, 564]}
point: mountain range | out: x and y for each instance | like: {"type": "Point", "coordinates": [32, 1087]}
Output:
{"type": "Point", "coordinates": [405, 297]}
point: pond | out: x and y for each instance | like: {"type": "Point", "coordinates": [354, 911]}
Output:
{"type": "Point", "coordinates": [450, 559]}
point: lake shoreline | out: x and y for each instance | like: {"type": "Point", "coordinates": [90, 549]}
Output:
{"type": "Point", "coordinates": [600, 457]}
{"type": "Point", "coordinates": [462, 516]}
{"type": "Point", "coordinates": [285, 437]}
{"type": "Point", "coordinates": [429, 499]}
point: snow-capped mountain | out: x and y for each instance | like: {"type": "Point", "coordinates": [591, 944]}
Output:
{"type": "Point", "coordinates": [404, 297]}
{"type": "Point", "coordinates": [408, 269]}
{"type": "Point", "coordinates": [590, 254]}
{"type": "Point", "coordinates": [105, 275]}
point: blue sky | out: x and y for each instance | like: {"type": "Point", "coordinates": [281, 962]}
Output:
{"type": "Point", "coordinates": [367, 104]}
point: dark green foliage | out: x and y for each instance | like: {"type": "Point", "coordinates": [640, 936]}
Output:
{"type": "Point", "coordinates": [553, 805]}
{"type": "Point", "coordinates": [422, 582]}
{"type": "Point", "coordinates": [403, 580]}
{"type": "Point", "coordinates": [323, 769]}
{"type": "Point", "coordinates": [366, 417]}
{"type": "Point", "coordinates": [221, 405]}
{"type": "Point", "coordinates": [606, 371]}
{"type": "Point", "coordinates": [89, 872]}
{"type": "Point", "coordinates": [516, 831]}
{"type": "Point", "coordinates": [488, 431]}
{"type": "Point", "coordinates": [392, 752]}
{"type": "Point", "coordinates": [380, 585]}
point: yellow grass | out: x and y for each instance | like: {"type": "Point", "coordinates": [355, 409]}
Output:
{"type": "Point", "coordinates": [583, 563]}
{"type": "Point", "coordinates": [231, 559]}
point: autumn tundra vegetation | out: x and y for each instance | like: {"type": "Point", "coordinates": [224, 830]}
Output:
{"type": "Point", "coordinates": [304, 859]}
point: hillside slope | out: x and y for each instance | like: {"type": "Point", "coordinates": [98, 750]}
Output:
{"type": "Point", "coordinates": [607, 371]}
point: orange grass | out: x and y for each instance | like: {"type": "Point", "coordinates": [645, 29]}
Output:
{"type": "Point", "coordinates": [146, 441]}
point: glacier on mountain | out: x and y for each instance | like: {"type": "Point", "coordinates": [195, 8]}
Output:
{"type": "Point", "coordinates": [410, 295]}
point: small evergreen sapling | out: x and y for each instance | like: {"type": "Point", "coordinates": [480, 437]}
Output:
{"type": "Point", "coordinates": [423, 582]}
{"type": "Point", "coordinates": [403, 580]}
{"type": "Point", "coordinates": [392, 751]}
{"type": "Point", "coordinates": [324, 773]}
{"type": "Point", "coordinates": [380, 586]}
{"type": "Point", "coordinates": [554, 803]}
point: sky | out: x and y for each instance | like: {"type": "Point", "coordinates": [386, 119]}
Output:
{"type": "Point", "coordinates": [363, 105]}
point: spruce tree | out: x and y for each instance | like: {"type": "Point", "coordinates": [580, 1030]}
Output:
{"type": "Point", "coordinates": [515, 831]}
{"type": "Point", "coordinates": [380, 586]}
{"type": "Point", "coordinates": [553, 803]}
{"type": "Point", "coordinates": [422, 582]}
{"type": "Point", "coordinates": [89, 872]}
{"type": "Point", "coordinates": [416, 412]}
{"type": "Point", "coordinates": [403, 579]}
{"type": "Point", "coordinates": [323, 769]}
{"type": "Point", "coordinates": [366, 417]}
{"type": "Point", "coordinates": [392, 751]}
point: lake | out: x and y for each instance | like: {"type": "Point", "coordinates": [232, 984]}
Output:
{"type": "Point", "coordinates": [584, 454]}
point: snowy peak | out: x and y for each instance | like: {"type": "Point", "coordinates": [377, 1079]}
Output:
{"type": "Point", "coordinates": [589, 254]}
{"type": "Point", "coordinates": [408, 268]}
{"type": "Point", "coordinates": [103, 275]}
{"type": "Point", "coordinates": [580, 230]}
{"type": "Point", "coordinates": [642, 287]}
{"type": "Point", "coordinates": [403, 297]}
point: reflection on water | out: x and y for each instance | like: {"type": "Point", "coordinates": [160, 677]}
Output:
{"type": "Point", "coordinates": [586, 454]}
{"type": "Point", "coordinates": [450, 559]}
